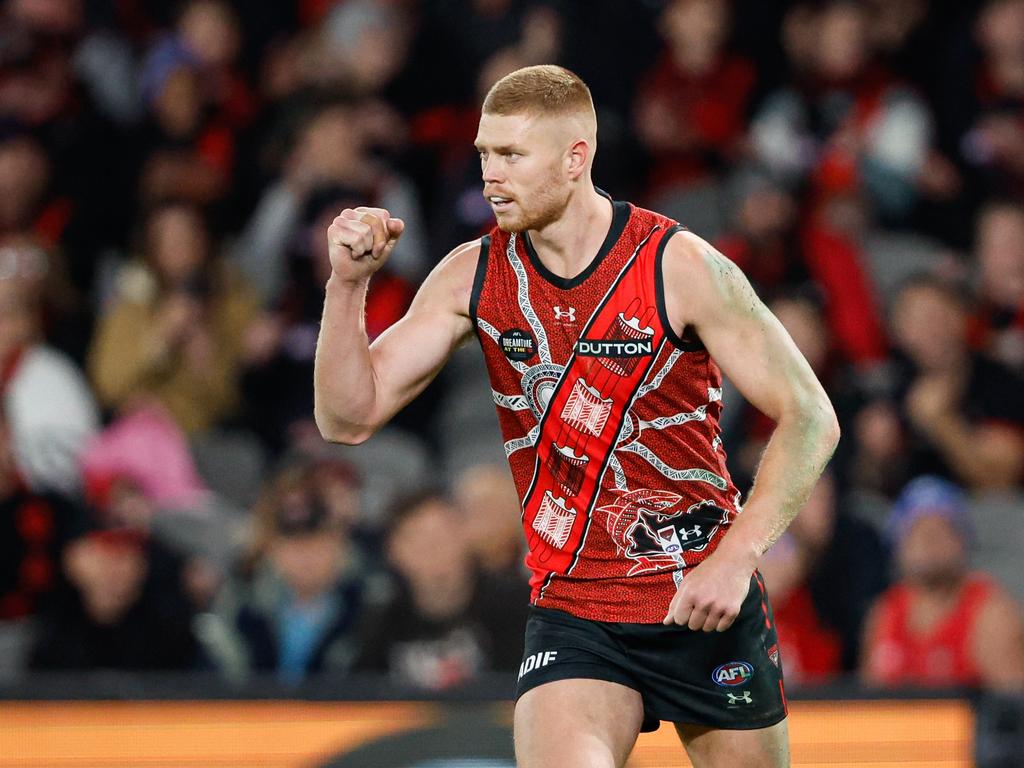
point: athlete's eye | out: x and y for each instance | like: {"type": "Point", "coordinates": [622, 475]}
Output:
{"type": "Point", "coordinates": [513, 156]}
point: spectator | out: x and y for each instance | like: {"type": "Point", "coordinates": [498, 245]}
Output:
{"type": "Point", "coordinates": [941, 624]}
{"type": "Point", "coordinates": [48, 408]}
{"type": "Point", "coordinates": [964, 414]}
{"type": "Point", "coordinates": [33, 222]}
{"type": "Point", "coordinates": [850, 124]}
{"type": "Point", "coordinates": [298, 612]}
{"type": "Point", "coordinates": [782, 253]}
{"type": "Point", "coordinates": [331, 152]}
{"type": "Point", "coordinates": [993, 144]}
{"type": "Point", "coordinates": [122, 606]}
{"type": "Point", "coordinates": [692, 108]}
{"type": "Point", "coordinates": [189, 153]}
{"type": "Point", "coordinates": [33, 528]}
{"type": "Point", "coordinates": [209, 30]}
{"type": "Point", "coordinates": [998, 322]}
{"type": "Point", "coordinates": [823, 576]}
{"type": "Point", "coordinates": [174, 331]}
{"type": "Point", "coordinates": [439, 631]}
{"type": "Point", "coordinates": [487, 497]}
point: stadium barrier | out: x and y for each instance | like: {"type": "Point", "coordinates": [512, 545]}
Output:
{"type": "Point", "coordinates": [108, 720]}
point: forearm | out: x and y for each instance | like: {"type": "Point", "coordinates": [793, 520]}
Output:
{"type": "Point", "coordinates": [799, 450]}
{"type": "Point", "coordinates": [344, 384]}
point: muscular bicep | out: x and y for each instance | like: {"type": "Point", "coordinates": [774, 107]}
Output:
{"type": "Point", "coordinates": [709, 293]}
{"type": "Point", "coordinates": [407, 356]}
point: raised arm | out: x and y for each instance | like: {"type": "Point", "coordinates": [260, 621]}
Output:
{"type": "Point", "coordinates": [358, 387]}
{"type": "Point", "coordinates": [708, 293]}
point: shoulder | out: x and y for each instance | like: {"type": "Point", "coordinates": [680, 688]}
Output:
{"type": "Point", "coordinates": [700, 276]}
{"type": "Point", "coordinates": [463, 258]}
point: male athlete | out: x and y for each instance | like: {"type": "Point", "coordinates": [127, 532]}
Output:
{"type": "Point", "coordinates": [606, 330]}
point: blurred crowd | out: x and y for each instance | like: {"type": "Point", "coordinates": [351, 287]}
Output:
{"type": "Point", "coordinates": [167, 172]}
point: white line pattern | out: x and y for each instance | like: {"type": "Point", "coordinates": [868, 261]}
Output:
{"type": "Point", "coordinates": [524, 301]}
{"type": "Point", "coordinates": [675, 419]}
{"type": "Point", "coordinates": [679, 475]}
{"type": "Point", "coordinates": [512, 402]}
{"type": "Point", "coordinates": [660, 376]}
{"type": "Point", "coordinates": [520, 443]}
{"type": "Point", "coordinates": [618, 472]}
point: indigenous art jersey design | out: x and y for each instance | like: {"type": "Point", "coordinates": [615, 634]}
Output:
{"type": "Point", "coordinates": [610, 421]}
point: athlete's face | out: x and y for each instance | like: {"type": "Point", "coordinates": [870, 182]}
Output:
{"type": "Point", "coordinates": [528, 168]}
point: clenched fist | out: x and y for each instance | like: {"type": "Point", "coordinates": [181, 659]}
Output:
{"type": "Point", "coordinates": [359, 241]}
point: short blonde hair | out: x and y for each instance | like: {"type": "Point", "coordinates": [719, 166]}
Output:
{"type": "Point", "coordinates": [545, 89]}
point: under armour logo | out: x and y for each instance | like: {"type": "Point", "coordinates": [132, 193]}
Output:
{"type": "Point", "coordinates": [568, 314]}
{"type": "Point", "coordinates": [743, 697]}
{"type": "Point", "coordinates": [686, 534]}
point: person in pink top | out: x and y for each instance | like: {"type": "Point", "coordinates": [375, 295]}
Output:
{"type": "Point", "coordinates": [941, 624]}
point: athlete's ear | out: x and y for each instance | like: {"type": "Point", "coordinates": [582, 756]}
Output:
{"type": "Point", "coordinates": [577, 158]}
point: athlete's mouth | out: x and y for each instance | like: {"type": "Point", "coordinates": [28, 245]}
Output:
{"type": "Point", "coordinates": [499, 203]}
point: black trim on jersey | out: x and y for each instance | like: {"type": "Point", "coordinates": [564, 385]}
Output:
{"type": "Point", "coordinates": [478, 278]}
{"type": "Point", "coordinates": [692, 342]}
{"type": "Point", "coordinates": [620, 215]}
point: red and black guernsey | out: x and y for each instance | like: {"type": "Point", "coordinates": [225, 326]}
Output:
{"type": "Point", "coordinates": [610, 421]}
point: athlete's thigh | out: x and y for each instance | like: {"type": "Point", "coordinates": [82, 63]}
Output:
{"type": "Point", "coordinates": [720, 748]}
{"type": "Point", "coordinates": [577, 723]}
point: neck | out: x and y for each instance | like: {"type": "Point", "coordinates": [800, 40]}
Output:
{"type": "Point", "coordinates": [568, 244]}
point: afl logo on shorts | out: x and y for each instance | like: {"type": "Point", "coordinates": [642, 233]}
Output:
{"type": "Point", "coordinates": [518, 345]}
{"type": "Point", "coordinates": [733, 673]}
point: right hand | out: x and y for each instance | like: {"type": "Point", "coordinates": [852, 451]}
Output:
{"type": "Point", "coordinates": [360, 240]}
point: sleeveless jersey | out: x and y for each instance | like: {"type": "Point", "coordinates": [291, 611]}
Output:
{"type": "Point", "coordinates": [940, 657]}
{"type": "Point", "coordinates": [610, 421]}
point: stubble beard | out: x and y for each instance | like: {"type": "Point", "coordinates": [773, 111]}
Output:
{"type": "Point", "coordinates": [546, 209]}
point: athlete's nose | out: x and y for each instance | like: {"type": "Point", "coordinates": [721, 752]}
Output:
{"type": "Point", "coordinates": [491, 170]}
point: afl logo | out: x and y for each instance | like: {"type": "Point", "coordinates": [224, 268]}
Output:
{"type": "Point", "coordinates": [733, 673]}
{"type": "Point", "coordinates": [518, 345]}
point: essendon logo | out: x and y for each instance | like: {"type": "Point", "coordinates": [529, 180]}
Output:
{"type": "Point", "coordinates": [733, 673]}
{"type": "Point", "coordinates": [617, 348]}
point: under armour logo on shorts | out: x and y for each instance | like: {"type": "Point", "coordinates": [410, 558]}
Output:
{"type": "Point", "coordinates": [742, 698]}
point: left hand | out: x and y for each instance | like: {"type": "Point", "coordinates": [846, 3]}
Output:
{"type": "Point", "coordinates": [710, 595]}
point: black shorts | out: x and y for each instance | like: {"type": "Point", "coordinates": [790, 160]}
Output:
{"type": "Point", "coordinates": [730, 680]}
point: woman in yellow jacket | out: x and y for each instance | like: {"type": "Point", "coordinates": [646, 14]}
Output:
{"type": "Point", "coordinates": [175, 331]}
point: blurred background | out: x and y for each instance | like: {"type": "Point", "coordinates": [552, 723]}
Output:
{"type": "Point", "coordinates": [173, 527]}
